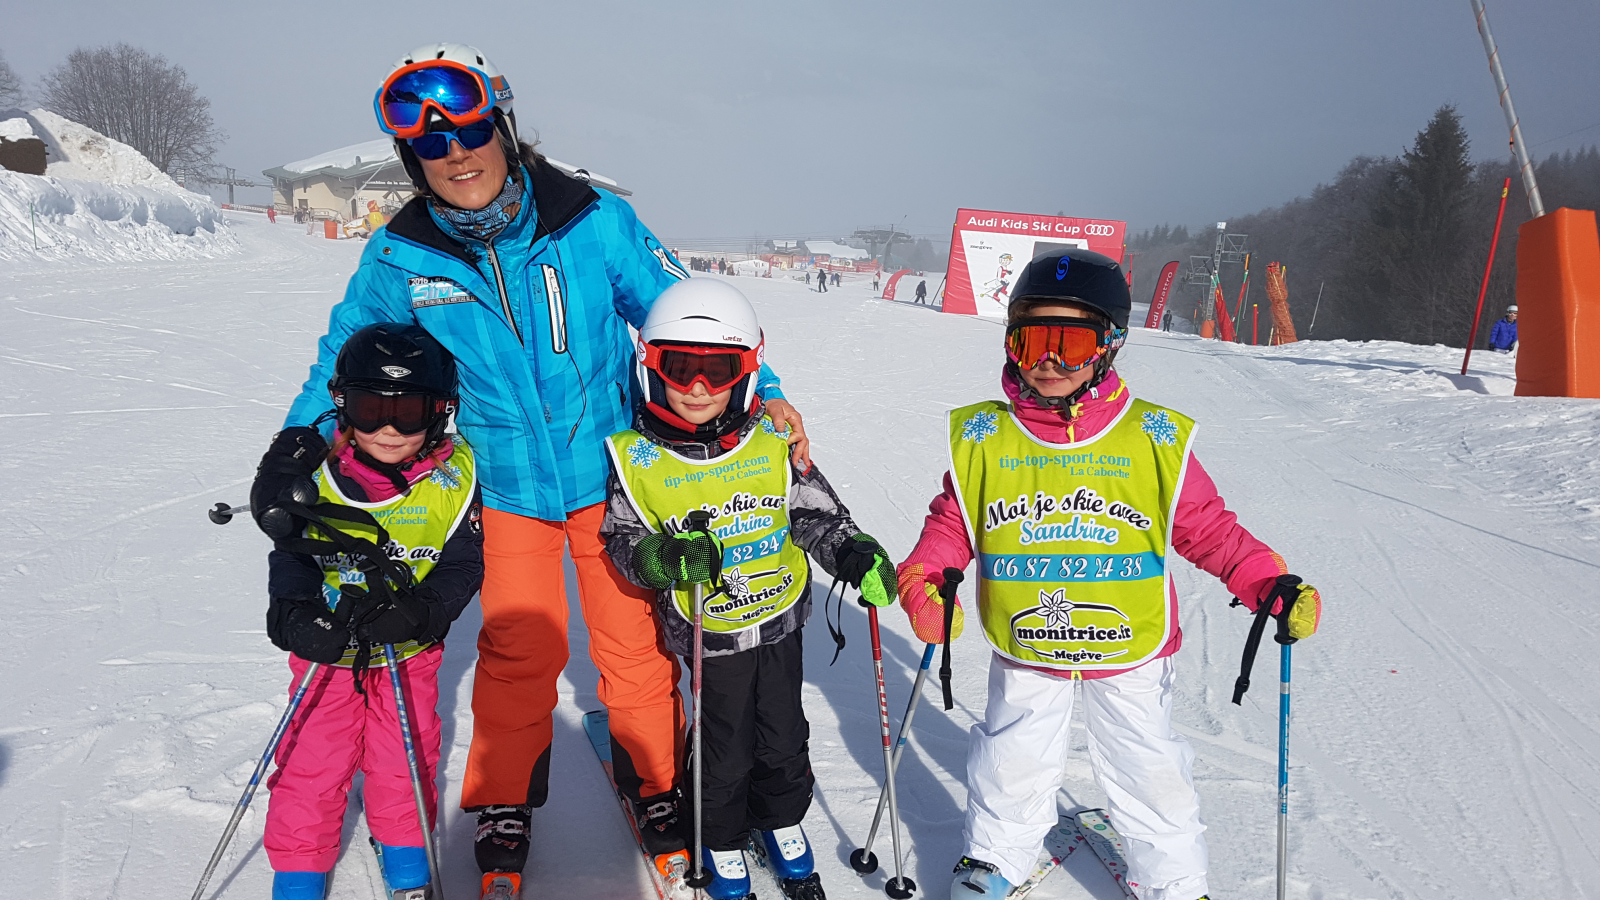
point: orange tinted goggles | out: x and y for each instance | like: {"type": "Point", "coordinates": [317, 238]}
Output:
{"type": "Point", "coordinates": [682, 365]}
{"type": "Point", "coordinates": [1070, 343]}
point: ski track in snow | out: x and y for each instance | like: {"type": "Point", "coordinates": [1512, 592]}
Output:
{"type": "Point", "coordinates": [1445, 742]}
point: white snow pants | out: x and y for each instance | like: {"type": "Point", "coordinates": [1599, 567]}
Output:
{"type": "Point", "coordinates": [1016, 760]}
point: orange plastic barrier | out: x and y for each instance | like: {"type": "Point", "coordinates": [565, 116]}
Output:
{"type": "Point", "coordinates": [1558, 305]}
{"type": "Point", "coordinates": [330, 229]}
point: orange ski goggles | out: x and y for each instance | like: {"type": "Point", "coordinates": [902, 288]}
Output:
{"type": "Point", "coordinates": [460, 93]}
{"type": "Point", "coordinates": [1070, 343]}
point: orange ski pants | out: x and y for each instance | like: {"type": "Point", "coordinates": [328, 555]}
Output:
{"type": "Point", "coordinates": [522, 649]}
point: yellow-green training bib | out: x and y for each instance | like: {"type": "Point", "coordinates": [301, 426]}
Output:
{"type": "Point", "coordinates": [419, 522]}
{"type": "Point", "coordinates": [746, 491]}
{"type": "Point", "coordinates": [1071, 539]}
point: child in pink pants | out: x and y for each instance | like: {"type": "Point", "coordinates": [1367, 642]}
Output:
{"type": "Point", "coordinates": [393, 466]}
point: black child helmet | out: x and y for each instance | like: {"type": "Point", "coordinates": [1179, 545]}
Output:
{"type": "Point", "coordinates": [1076, 276]}
{"type": "Point", "coordinates": [393, 374]}
{"type": "Point", "coordinates": [1082, 278]}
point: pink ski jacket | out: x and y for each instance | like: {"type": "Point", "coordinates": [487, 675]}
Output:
{"type": "Point", "coordinates": [1204, 531]}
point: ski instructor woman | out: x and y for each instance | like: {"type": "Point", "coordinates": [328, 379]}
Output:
{"type": "Point", "coordinates": [530, 278]}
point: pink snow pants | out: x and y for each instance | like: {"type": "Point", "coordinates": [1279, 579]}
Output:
{"type": "Point", "coordinates": [337, 731]}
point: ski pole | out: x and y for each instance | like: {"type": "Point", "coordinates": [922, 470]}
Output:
{"type": "Point", "coordinates": [863, 860]}
{"type": "Point", "coordinates": [699, 877]}
{"type": "Point", "coordinates": [416, 775]}
{"type": "Point", "coordinates": [952, 578]}
{"type": "Point", "coordinates": [1287, 585]}
{"type": "Point", "coordinates": [899, 887]}
{"type": "Point", "coordinates": [255, 779]}
{"type": "Point", "coordinates": [222, 513]}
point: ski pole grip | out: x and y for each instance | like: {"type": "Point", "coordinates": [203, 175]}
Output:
{"type": "Point", "coordinates": [947, 593]}
{"type": "Point", "coordinates": [1287, 587]}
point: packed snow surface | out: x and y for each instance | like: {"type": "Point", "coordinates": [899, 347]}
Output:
{"type": "Point", "coordinates": [1446, 722]}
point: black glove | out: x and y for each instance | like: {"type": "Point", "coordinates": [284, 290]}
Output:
{"type": "Point", "coordinates": [306, 627]}
{"type": "Point", "coordinates": [285, 474]}
{"type": "Point", "coordinates": [422, 619]}
{"type": "Point", "coordinates": [863, 564]}
{"type": "Point", "coordinates": [660, 560]}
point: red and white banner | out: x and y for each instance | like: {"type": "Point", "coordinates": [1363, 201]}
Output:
{"type": "Point", "coordinates": [1158, 300]}
{"type": "Point", "coordinates": [988, 250]}
{"type": "Point", "coordinates": [888, 289]}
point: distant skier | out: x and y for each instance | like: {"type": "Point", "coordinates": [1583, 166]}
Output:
{"type": "Point", "coordinates": [922, 291]}
{"type": "Point", "coordinates": [1094, 601]}
{"type": "Point", "coordinates": [822, 281]}
{"type": "Point", "coordinates": [390, 451]}
{"type": "Point", "coordinates": [874, 281]}
{"type": "Point", "coordinates": [1166, 321]}
{"type": "Point", "coordinates": [272, 214]}
{"type": "Point", "coordinates": [1503, 337]}
{"type": "Point", "coordinates": [701, 345]}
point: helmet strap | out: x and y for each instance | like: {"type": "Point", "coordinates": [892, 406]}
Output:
{"type": "Point", "coordinates": [1102, 368]}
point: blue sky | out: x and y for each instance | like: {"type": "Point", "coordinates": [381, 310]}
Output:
{"type": "Point", "coordinates": [816, 118]}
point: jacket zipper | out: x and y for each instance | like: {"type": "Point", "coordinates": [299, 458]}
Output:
{"type": "Point", "coordinates": [500, 285]}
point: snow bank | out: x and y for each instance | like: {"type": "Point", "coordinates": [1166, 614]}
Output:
{"type": "Point", "coordinates": [83, 154]}
{"type": "Point", "coordinates": [101, 199]}
{"type": "Point", "coordinates": [17, 129]}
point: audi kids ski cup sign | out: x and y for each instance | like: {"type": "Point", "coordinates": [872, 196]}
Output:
{"type": "Point", "coordinates": [988, 250]}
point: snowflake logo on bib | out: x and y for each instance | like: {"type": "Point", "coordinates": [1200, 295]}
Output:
{"type": "Point", "coordinates": [980, 427]}
{"type": "Point", "coordinates": [643, 454]}
{"type": "Point", "coordinates": [1162, 430]}
{"type": "Point", "coordinates": [447, 475]}
{"type": "Point", "coordinates": [769, 428]}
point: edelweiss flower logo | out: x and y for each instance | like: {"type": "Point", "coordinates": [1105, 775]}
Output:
{"type": "Point", "coordinates": [1160, 428]}
{"type": "Point", "coordinates": [736, 583]}
{"type": "Point", "coordinates": [643, 454]}
{"type": "Point", "coordinates": [980, 427]}
{"type": "Point", "coordinates": [1056, 609]}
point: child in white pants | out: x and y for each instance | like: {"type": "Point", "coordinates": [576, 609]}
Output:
{"type": "Point", "coordinates": [1070, 495]}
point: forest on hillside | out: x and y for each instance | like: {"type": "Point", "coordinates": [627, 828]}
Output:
{"type": "Point", "coordinates": [1396, 245]}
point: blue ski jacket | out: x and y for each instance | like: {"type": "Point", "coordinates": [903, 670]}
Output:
{"type": "Point", "coordinates": [1503, 335]}
{"type": "Point", "coordinates": [537, 319]}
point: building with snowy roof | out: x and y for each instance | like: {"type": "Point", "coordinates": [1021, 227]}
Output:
{"type": "Point", "coordinates": [836, 250]}
{"type": "Point", "coordinates": [339, 184]}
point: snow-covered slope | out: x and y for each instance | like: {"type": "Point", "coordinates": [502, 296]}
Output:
{"type": "Point", "coordinates": [102, 200]}
{"type": "Point", "coordinates": [1445, 726]}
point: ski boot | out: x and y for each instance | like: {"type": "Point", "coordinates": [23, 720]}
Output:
{"type": "Point", "coordinates": [657, 820]}
{"type": "Point", "coordinates": [977, 879]}
{"type": "Point", "coordinates": [501, 886]}
{"type": "Point", "coordinates": [789, 856]}
{"type": "Point", "coordinates": [299, 885]}
{"type": "Point", "coordinates": [405, 871]}
{"type": "Point", "coordinates": [501, 842]}
{"type": "Point", "coordinates": [730, 877]}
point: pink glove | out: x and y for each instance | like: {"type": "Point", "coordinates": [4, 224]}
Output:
{"type": "Point", "coordinates": [919, 597]}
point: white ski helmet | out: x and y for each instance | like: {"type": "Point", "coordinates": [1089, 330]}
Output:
{"type": "Point", "coordinates": [471, 57]}
{"type": "Point", "coordinates": [700, 312]}
{"type": "Point", "coordinates": [467, 55]}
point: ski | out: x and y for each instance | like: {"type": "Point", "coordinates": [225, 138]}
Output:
{"type": "Point", "coordinates": [1106, 844]}
{"type": "Point", "coordinates": [668, 871]}
{"type": "Point", "coordinates": [1059, 844]}
{"type": "Point", "coordinates": [500, 886]}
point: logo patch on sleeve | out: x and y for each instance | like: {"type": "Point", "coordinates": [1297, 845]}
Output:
{"type": "Point", "coordinates": [434, 291]}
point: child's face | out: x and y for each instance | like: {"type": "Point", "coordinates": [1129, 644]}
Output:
{"type": "Point", "coordinates": [698, 406]}
{"type": "Point", "coordinates": [389, 446]}
{"type": "Point", "coordinates": [1047, 379]}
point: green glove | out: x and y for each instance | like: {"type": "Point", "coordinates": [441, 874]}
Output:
{"type": "Point", "coordinates": [1306, 614]}
{"type": "Point", "coordinates": [661, 560]}
{"type": "Point", "coordinates": [864, 564]}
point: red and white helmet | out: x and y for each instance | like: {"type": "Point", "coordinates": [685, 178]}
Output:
{"type": "Point", "coordinates": [700, 329]}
